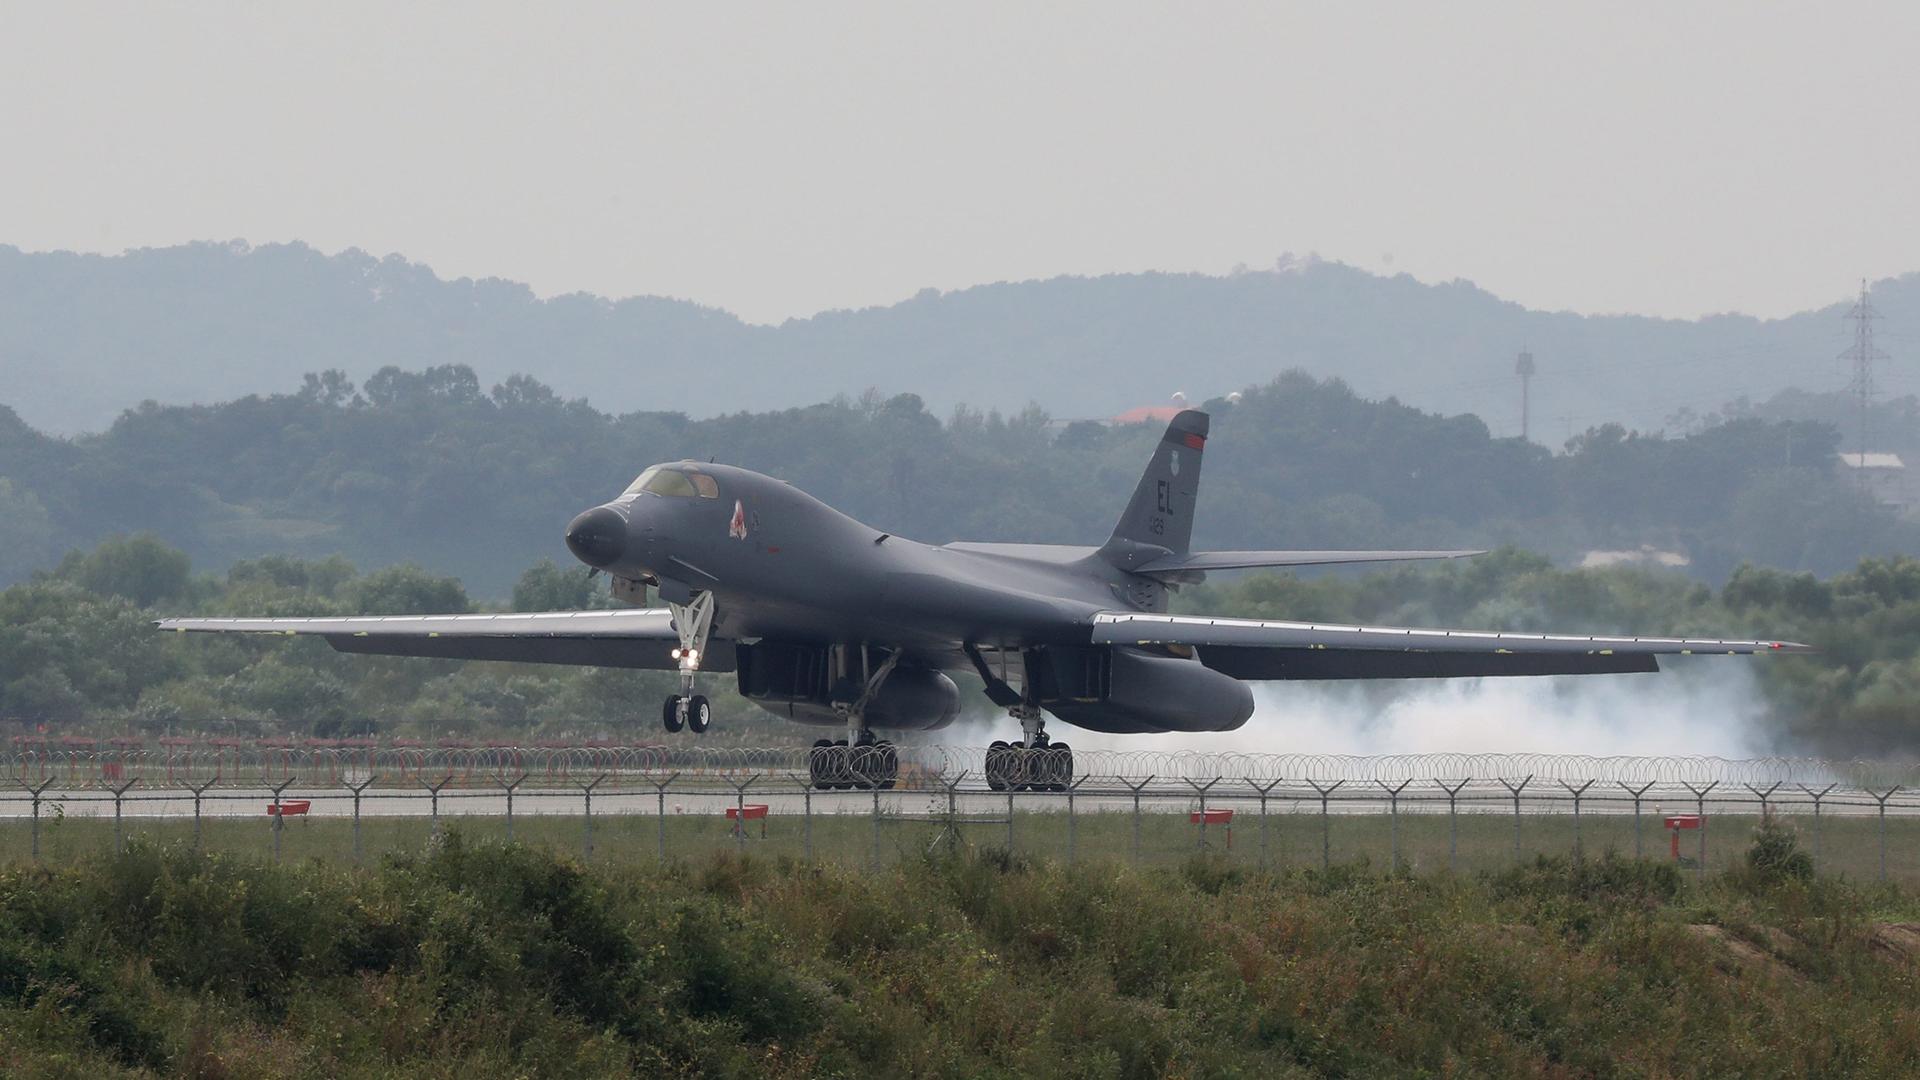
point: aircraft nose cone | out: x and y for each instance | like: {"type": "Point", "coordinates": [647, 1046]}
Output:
{"type": "Point", "coordinates": [597, 537]}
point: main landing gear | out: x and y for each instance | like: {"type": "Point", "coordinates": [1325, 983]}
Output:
{"type": "Point", "coordinates": [860, 760]}
{"type": "Point", "coordinates": [1035, 763]}
{"type": "Point", "coordinates": [692, 620]}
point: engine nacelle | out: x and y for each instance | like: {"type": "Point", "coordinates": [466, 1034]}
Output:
{"type": "Point", "coordinates": [794, 682]}
{"type": "Point", "coordinates": [1132, 691]}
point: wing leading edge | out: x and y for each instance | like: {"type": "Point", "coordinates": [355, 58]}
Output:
{"type": "Point", "coordinates": [1202, 561]}
{"type": "Point", "coordinates": [625, 638]}
{"type": "Point", "coordinates": [1258, 649]}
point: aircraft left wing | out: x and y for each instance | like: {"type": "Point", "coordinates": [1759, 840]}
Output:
{"type": "Point", "coordinates": [1259, 649]}
{"type": "Point", "coordinates": [625, 638]}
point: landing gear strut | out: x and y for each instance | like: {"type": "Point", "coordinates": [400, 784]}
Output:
{"type": "Point", "coordinates": [1035, 763]}
{"type": "Point", "coordinates": [693, 621]}
{"type": "Point", "coordinates": [859, 760]}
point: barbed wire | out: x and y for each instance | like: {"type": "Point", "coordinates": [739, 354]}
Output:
{"type": "Point", "coordinates": [265, 765]}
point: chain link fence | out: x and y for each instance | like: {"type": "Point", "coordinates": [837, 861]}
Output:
{"type": "Point", "coordinates": [1412, 812]}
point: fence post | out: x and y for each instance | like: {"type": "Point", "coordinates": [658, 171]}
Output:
{"type": "Point", "coordinates": [1009, 820]}
{"type": "Point", "coordinates": [44, 784]}
{"type": "Point", "coordinates": [364, 784]}
{"type": "Point", "coordinates": [806, 815]}
{"type": "Point", "coordinates": [1816, 796]}
{"type": "Point", "coordinates": [876, 829]}
{"type": "Point", "coordinates": [1515, 791]}
{"type": "Point", "coordinates": [1136, 789]}
{"type": "Point", "coordinates": [1326, 825]}
{"type": "Point", "coordinates": [1882, 800]}
{"type": "Point", "coordinates": [740, 810]}
{"type": "Point", "coordinates": [197, 793]}
{"type": "Point", "coordinates": [660, 819]}
{"type": "Point", "coordinates": [586, 842]}
{"type": "Point", "coordinates": [1202, 790]}
{"type": "Point", "coordinates": [1453, 819]}
{"type": "Point", "coordinates": [1576, 792]}
{"type": "Point", "coordinates": [1700, 808]}
{"type": "Point", "coordinates": [1766, 811]}
{"type": "Point", "coordinates": [1072, 789]}
{"type": "Point", "coordinates": [433, 797]}
{"type": "Point", "coordinates": [1264, 792]}
{"type": "Point", "coordinates": [1393, 822]}
{"type": "Point", "coordinates": [279, 819]}
{"type": "Point", "coordinates": [122, 790]}
{"type": "Point", "coordinates": [1637, 796]}
{"type": "Point", "coordinates": [510, 787]}
{"type": "Point", "coordinates": [952, 835]}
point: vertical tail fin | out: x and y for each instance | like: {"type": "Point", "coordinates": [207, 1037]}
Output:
{"type": "Point", "coordinates": [1160, 517]}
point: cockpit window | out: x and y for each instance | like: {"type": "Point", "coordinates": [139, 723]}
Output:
{"type": "Point", "coordinates": [660, 480]}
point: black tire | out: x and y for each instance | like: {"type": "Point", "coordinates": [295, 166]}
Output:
{"type": "Point", "coordinates": [841, 755]}
{"type": "Point", "coordinates": [889, 766]}
{"type": "Point", "coordinates": [670, 716]}
{"type": "Point", "coordinates": [818, 764]}
{"type": "Point", "coordinates": [997, 765]}
{"type": "Point", "coordinates": [863, 766]}
{"type": "Point", "coordinates": [699, 715]}
{"type": "Point", "coordinates": [1062, 766]}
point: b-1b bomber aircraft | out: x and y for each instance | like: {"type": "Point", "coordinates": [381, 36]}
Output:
{"type": "Point", "coordinates": [825, 620]}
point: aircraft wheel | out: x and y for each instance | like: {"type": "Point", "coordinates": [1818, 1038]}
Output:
{"type": "Point", "coordinates": [997, 765]}
{"type": "Point", "coordinates": [819, 764]}
{"type": "Point", "coordinates": [670, 717]}
{"type": "Point", "coordinates": [842, 758]}
{"type": "Point", "coordinates": [699, 715]}
{"type": "Point", "coordinates": [1016, 766]}
{"type": "Point", "coordinates": [1061, 766]}
{"type": "Point", "coordinates": [889, 766]}
{"type": "Point", "coordinates": [863, 766]}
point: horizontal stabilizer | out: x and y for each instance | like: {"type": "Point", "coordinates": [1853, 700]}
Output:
{"type": "Point", "coordinates": [1197, 562]}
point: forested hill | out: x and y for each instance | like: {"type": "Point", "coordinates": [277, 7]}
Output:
{"type": "Point", "coordinates": [438, 468]}
{"type": "Point", "coordinates": [81, 336]}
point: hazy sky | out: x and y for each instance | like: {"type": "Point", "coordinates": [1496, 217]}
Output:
{"type": "Point", "coordinates": [1663, 158]}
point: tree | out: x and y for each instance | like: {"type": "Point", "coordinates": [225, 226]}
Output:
{"type": "Point", "coordinates": [547, 587]}
{"type": "Point", "coordinates": [139, 568]}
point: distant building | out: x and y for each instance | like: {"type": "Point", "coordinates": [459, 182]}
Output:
{"type": "Point", "coordinates": [1148, 413]}
{"type": "Point", "coordinates": [1884, 476]}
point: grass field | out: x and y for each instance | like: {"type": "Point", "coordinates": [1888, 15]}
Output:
{"type": "Point", "coordinates": [1846, 846]}
{"type": "Point", "coordinates": [463, 956]}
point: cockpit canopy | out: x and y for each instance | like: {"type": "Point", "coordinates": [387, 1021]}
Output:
{"type": "Point", "coordinates": [675, 482]}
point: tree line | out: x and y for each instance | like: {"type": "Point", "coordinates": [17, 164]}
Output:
{"type": "Point", "coordinates": [434, 468]}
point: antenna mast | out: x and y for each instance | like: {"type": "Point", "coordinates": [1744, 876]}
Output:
{"type": "Point", "coordinates": [1863, 354]}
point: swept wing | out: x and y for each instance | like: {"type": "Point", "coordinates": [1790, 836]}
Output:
{"type": "Point", "coordinates": [1202, 561]}
{"type": "Point", "coordinates": [627, 638]}
{"type": "Point", "coordinates": [1261, 649]}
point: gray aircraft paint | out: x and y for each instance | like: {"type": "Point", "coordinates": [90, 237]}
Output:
{"type": "Point", "coordinates": [1081, 630]}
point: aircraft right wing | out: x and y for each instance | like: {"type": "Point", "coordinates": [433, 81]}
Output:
{"type": "Point", "coordinates": [1261, 649]}
{"type": "Point", "coordinates": [1199, 562]}
{"type": "Point", "coordinates": [623, 637]}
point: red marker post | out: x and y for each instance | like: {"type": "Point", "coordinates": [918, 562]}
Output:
{"type": "Point", "coordinates": [1677, 822]}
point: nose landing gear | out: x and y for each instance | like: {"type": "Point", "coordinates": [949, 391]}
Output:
{"type": "Point", "coordinates": [693, 621]}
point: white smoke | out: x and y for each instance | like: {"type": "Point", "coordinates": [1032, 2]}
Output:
{"type": "Point", "coordinates": [1707, 706]}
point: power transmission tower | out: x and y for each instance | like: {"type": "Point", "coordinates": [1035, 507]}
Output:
{"type": "Point", "coordinates": [1863, 353]}
{"type": "Point", "coordinates": [1524, 368]}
